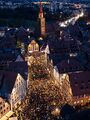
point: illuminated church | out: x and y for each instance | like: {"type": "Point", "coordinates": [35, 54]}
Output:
{"type": "Point", "coordinates": [33, 46]}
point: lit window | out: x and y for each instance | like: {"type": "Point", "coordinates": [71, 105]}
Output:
{"type": "Point", "coordinates": [1, 112]}
{"type": "Point", "coordinates": [75, 102]}
{"type": "Point", "coordinates": [0, 108]}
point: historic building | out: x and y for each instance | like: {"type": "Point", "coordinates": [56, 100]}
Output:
{"type": "Point", "coordinates": [78, 86]}
{"type": "Point", "coordinates": [4, 107]}
{"type": "Point", "coordinates": [13, 88]}
{"type": "Point", "coordinates": [42, 28]}
{"type": "Point", "coordinates": [33, 46]}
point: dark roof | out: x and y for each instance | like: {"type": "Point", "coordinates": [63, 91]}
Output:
{"type": "Point", "coordinates": [62, 46]}
{"type": "Point", "coordinates": [10, 50]}
{"type": "Point", "coordinates": [69, 65]}
{"type": "Point", "coordinates": [57, 58]}
{"type": "Point", "coordinates": [80, 83]}
{"type": "Point", "coordinates": [7, 57]}
{"type": "Point", "coordinates": [22, 33]}
{"type": "Point", "coordinates": [19, 67]}
{"type": "Point", "coordinates": [7, 81]}
{"type": "Point", "coordinates": [8, 41]}
{"type": "Point", "coordinates": [52, 27]}
{"type": "Point", "coordinates": [81, 115]}
{"type": "Point", "coordinates": [11, 31]}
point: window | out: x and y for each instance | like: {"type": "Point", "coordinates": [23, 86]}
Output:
{"type": "Point", "coordinates": [75, 102]}
{"type": "Point", "coordinates": [1, 112]}
{"type": "Point", "coordinates": [81, 87]}
{"type": "Point", "coordinates": [86, 87]}
{"type": "Point", "coordinates": [0, 108]}
{"type": "Point", "coordinates": [17, 85]}
{"type": "Point", "coordinates": [76, 83]}
{"type": "Point", "coordinates": [89, 81]}
{"type": "Point", "coordinates": [0, 102]}
{"type": "Point", "coordinates": [82, 83]}
{"type": "Point", "coordinates": [3, 105]}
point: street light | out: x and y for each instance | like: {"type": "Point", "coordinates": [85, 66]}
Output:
{"type": "Point", "coordinates": [29, 37]}
{"type": "Point", "coordinates": [28, 29]}
{"type": "Point", "coordinates": [56, 112]}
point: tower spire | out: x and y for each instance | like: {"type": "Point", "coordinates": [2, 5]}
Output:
{"type": "Point", "coordinates": [41, 20]}
{"type": "Point", "coordinates": [41, 11]}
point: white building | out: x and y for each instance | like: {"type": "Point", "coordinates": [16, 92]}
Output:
{"type": "Point", "coordinates": [13, 88]}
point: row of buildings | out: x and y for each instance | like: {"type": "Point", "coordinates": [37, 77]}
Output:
{"type": "Point", "coordinates": [68, 60]}
{"type": "Point", "coordinates": [67, 56]}
{"type": "Point", "coordinates": [13, 83]}
{"type": "Point", "coordinates": [66, 52]}
{"type": "Point", "coordinates": [14, 44]}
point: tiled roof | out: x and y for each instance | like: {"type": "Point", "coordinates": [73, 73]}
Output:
{"type": "Point", "coordinates": [69, 65]}
{"type": "Point", "coordinates": [19, 67]}
{"type": "Point", "coordinates": [80, 83]}
{"type": "Point", "coordinates": [7, 57]}
{"type": "Point", "coordinates": [51, 27]}
{"type": "Point", "coordinates": [7, 81]}
{"type": "Point", "coordinates": [62, 46]}
{"type": "Point", "coordinates": [57, 58]}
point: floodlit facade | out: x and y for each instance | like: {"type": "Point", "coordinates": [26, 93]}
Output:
{"type": "Point", "coordinates": [18, 92]}
{"type": "Point", "coordinates": [4, 107]}
{"type": "Point", "coordinates": [33, 46]}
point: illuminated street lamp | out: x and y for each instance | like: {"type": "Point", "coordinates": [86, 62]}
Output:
{"type": "Point", "coordinates": [40, 38]}
{"type": "Point", "coordinates": [56, 112]}
{"type": "Point", "coordinates": [28, 37]}
{"type": "Point", "coordinates": [8, 29]}
{"type": "Point", "coordinates": [28, 29]}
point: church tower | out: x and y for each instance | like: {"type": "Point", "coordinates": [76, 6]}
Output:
{"type": "Point", "coordinates": [42, 28]}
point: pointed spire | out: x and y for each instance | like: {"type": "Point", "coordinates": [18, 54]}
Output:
{"type": "Point", "coordinates": [41, 11]}
{"type": "Point", "coordinates": [41, 7]}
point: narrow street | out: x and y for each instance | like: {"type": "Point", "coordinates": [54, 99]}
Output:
{"type": "Point", "coordinates": [44, 96]}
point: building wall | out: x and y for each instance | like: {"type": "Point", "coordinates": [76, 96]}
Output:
{"type": "Point", "coordinates": [42, 25]}
{"type": "Point", "coordinates": [4, 107]}
{"type": "Point", "coordinates": [63, 81]}
{"type": "Point", "coordinates": [66, 88]}
{"type": "Point", "coordinates": [67, 91]}
{"type": "Point", "coordinates": [33, 46]}
{"type": "Point", "coordinates": [81, 100]}
{"type": "Point", "coordinates": [19, 91]}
